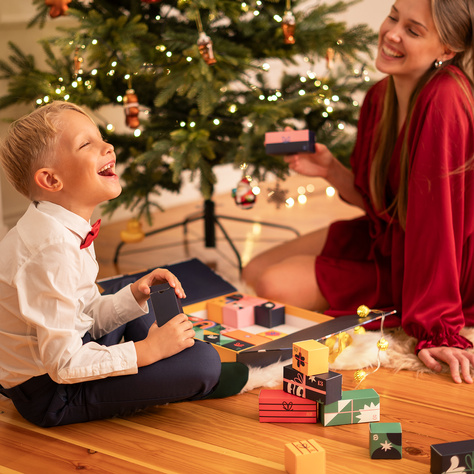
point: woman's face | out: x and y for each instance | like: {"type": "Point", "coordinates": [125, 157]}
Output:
{"type": "Point", "coordinates": [408, 41]}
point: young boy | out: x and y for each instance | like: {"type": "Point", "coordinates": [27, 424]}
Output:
{"type": "Point", "coordinates": [61, 357]}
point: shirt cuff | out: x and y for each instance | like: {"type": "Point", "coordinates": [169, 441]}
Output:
{"type": "Point", "coordinates": [453, 340]}
{"type": "Point", "coordinates": [126, 305]}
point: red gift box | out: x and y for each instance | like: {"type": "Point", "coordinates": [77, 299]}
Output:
{"type": "Point", "coordinates": [278, 406]}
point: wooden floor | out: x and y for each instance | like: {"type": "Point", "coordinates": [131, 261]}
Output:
{"type": "Point", "coordinates": [224, 436]}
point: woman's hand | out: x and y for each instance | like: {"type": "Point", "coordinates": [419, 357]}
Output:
{"type": "Point", "coordinates": [141, 288]}
{"type": "Point", "coordinates": [165, 341]}
{"type": "Point", "coordinates": [459, 361]}
{"type": "Point", "coordinates": [317, 164]}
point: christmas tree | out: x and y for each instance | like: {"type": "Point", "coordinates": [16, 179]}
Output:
{"type": "Point", "coordinates": [199, 82]}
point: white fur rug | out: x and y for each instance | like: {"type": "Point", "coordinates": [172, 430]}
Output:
{"type": "Point", "coordinates": [362, 353]}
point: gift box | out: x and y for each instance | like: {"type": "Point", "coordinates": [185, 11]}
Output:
{"type": "Point", "coordinates": [289, 142]}
{"type": "Point", "coordinates": [270, 314]}
{"type": "Point", "coordinates": [166, 305]}
{"type": "Point", "coordinates": [278, 406]}
{"type": "Point", "coordinates": [323, 388]}
{"type": "Point", "coordinates": [310, 357]}
{"type": "Point", "coordinates": [240, 313]}
{"type": "Point", "coordinates": [355, 406]}
{"type": "Point", "coordinates": [457, 456]}
{"type": "Point", "coordinates": [385, 440]}
{"type": "Point", "coordinates": [240, 335]}
{"type": "Point", "coordinates": [305, 456]}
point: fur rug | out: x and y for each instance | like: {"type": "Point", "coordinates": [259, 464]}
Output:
{"type": "Point", "coordinates": [362, 353]}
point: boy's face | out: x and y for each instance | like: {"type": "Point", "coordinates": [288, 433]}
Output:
{"type": "Point", "coordinates": [85, 165]}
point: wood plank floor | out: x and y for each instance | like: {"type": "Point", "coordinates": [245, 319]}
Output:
{"type": "Point", "coordinates": [224, 436]}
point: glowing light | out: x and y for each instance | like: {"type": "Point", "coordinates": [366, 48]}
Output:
{"type": "Point", "coordinates": [303, 79]}
{"type": "Point", "coordinates": [317, 83]}
{"type": "Point", "coordinates": [66, 97]}
{"type": "Point", "coordinates": [182, 124]}
{"type": "Point", "coordinates": [160, 47]}
{"type": "Point", "coordinates": [232, 108]}
{"type": "Point", "coordinates": [39, 101]}
{"type": "Point", "coordinates": [256, 190]}
{"type": "Point", "coordinates": [310, 188]}
{"type": "Point", "coordinates": [355, 103]}
{"type": "Point", "coordinates": [340, 126]}
{"type": "Point", "coordinates": [137, 132]}
{"type": "Point", "coordinates": [126, 77]}
{"type": "Point", "coordinates": [329, 109]}
{"type": "Point", "coordinates": [46, 99]}
{"type": "Point", "coordinates": [94, 41]}
{"type": "Point", "coordinates": [192, 124]}
{"type": "Point", "coordinates": [256, 13]}
{"type": "Point", "coordinates": [169, 54]}
{"type": "Point", "coordinates": [330, 191]}
{"type": "Point", "coordinates": [301, 189]}
{"type": "Point", "coordinates": [335, 98]}
{"type": "Point", "coordinates": [277, 18]}
{"type": "Point", "coordinates": [216, 121]}
{"type": "Point", "coordinates": [290, 202]}
{"type": "Point", "coordinates": [325, 114]}
{"type": "Point", "coordinates": [302, 199]}
{"type": "Point", "coordinates": [265, 66]}
{"type": "Point", "coordinates": [157, 17]}
{"type": "Point", "coordinates": [60, 79]}
{"type": "Point", "coordinates": [94, 72]}
{"type": "Point", "coordinates": [58, 90]}
{"type": "Point", "coordinates": [301, 92]}
{"type": "Point", "coordinates": [119, 98]}
{"type": "Point", "coordinates": [110, 127]}
{"type": "Point", "coordinates": [261, 97]}
{"type": "Point", "coordinates": [74, 84]}
{"type": "Point", "coordinates": [189, 59]}
{"type": "Point", "coordinates": [114, 64]}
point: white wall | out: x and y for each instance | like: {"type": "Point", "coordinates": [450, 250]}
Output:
{"type": "Point", "coordinates": [13, 19]}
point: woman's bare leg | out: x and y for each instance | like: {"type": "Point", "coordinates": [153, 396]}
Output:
{"type": "Point", "coordinates": [286, 273]}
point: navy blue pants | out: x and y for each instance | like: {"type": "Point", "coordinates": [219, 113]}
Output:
{"type": "Point", "coordinates": [189, 375]}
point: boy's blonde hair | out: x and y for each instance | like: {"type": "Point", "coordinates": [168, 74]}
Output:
{"type": "Point", "coordinates": [29, 144]}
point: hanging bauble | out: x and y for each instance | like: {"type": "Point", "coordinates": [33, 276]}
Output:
{"type": "Point", "coordinates": [78, 60]}
{"type": "Point", "coordinates": [288, 27]}
{"type": "Point", "coordinates": [330, 53]}
{"type": "Point", "coordinates": [130, 103]}
{"type": "Point", "coordinates": [243, 194]}
{"type": "Point", "coordinates": [57, 7]}
{"type": "Point", "coordinates": [205, 48]}
{"type": "Point", "coordinates": [277, 195]}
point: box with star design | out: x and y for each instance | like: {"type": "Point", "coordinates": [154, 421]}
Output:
{"type": "Point", "coordinates": [305, 456]}
{"type": "Point", "coordinates": [278, 406]}
{"type": "Point", "coordinates": [385, 440]}
{"type": "Point", "coordinates": [322, 388]}
{"type": "Point", "coordinates": [457, 456]}
{"type": "Point", "coordinates": [310, 357]}
{"type": "Point", "coordinates": [355, 406]}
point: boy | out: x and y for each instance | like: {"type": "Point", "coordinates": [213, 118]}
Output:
{"type": "Point", "coordinates": [61, 357]}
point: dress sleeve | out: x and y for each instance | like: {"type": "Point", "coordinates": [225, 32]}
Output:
{"type": "Point", "coordinates": [440, 142]}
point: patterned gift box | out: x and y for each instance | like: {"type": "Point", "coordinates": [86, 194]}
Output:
{"type": "Point", "coordinates": [310, 357]}
{"type": "Point", "coordinates": [356, 406]}
{"type": "Point", "coordinates": [453, 457]}
{"type": "Point", "coordinates": [277, 406]}
{"type": "Point", "coordinates": [305, 456]}
{"type": "Point", "coordinates": [215, 305]}
{"type": "Point", "coordinates": [385, 440]}
{"type": "Point", "coordinates": [240, 313]}
{"type": "Point", "coordinates": [323, 388]}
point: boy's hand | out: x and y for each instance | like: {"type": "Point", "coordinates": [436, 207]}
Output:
{"type": "Point", "coordinates": [141, 288]}
{"type": "Point", "coordinates": [459, 361]}
{"type": "Point", "coordinates": [165, 341]}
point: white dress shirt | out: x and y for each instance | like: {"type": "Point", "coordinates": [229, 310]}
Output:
{"type": "Point", "coordinates": [49, 301]}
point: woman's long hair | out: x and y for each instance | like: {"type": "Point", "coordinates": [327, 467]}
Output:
{"type": "Point", "coordinates": [454, 21]}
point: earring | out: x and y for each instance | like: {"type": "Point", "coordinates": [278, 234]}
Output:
{"type": "Point", "coordinates": [438, 64]}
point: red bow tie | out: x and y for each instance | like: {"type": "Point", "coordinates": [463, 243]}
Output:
{"type": "Point", "coordinates": [91, 235]}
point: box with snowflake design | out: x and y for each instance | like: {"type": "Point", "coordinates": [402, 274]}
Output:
{"type": "Point", "coordinates": [457, 456]}
{"type": "Point", "coordinates": [355, 406]}
{"type": "Point", "coordinates": [385, 440]}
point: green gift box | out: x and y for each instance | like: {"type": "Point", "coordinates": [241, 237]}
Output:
{"type": "Point", "coordinates": [355, 406]}
{"type": "Point", "coordinates": [385, 440]}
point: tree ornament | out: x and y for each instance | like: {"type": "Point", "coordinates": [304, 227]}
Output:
{"type": "Point", "coordinates": [133, 232]}
{"type": "Point", "coordinates": [78, 60]}
{"type": "Point", "coordinates": [359, 330]}
{"type": "Point", "coordinates": [330, 53]}
{"type": "Point", "coordinates": [57, 7]}
{"type": "Point", "coordinates": [277, 195]}
{"type": "Point", "coordinates": [205, 48]}
{"type": "Point", "coordinates": [288, 27]}
{"type": "Point", "coordinates": [130, 103]}
{"type": "Point", "coordinates": [243, 194]}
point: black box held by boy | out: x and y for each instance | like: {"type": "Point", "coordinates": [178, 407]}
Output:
{"type": "Point", "coordinates": [166, 305]}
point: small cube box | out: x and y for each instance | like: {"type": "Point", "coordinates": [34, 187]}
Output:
{"type": "Point", "coordinates": [385, 440]}
{"type": "Point", "coordinates": [277, 406]}
{"type": "Point", "coordinates": [355, 406]}
{"type": "Point", "coordinates": [310, 357]}
{"type": "Point", "coordinates": [269, 314]}
{"type": "Point", "coordinates": [458, 454]}
{"type": "Point", "coordinates": [302, 457]}
{"type": "Point", "coordinates": [323, 388]}
{"type": "Point", "coordinates": [289, 142]}
{"type": "Point", "coordinates": [214, 308]}
{"type": "Point", "coordinates": [240, 313]}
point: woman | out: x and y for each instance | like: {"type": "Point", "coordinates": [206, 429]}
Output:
{"type": "Point", "coordinates": [412, 174]}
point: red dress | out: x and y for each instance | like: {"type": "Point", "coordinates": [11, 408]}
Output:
{"type": "Point", "coordinates": [426, 273]}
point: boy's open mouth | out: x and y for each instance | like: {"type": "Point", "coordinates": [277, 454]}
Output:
{"type": "Point", "coordinates": [107, 170]}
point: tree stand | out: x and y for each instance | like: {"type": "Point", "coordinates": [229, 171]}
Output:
{"type": "Point", "coordinates": [210, 221]}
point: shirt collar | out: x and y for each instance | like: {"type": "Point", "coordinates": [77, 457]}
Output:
{"type": "Point", "coordinates": [73, 222]}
